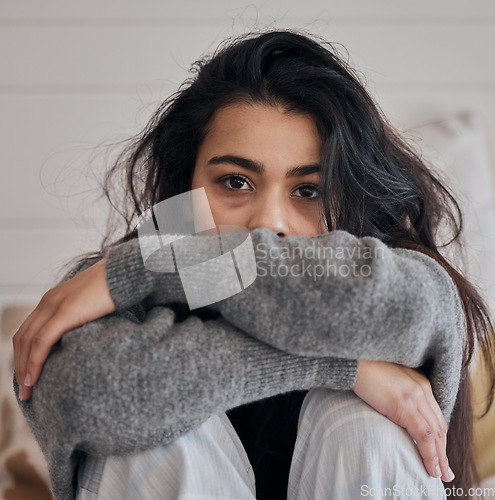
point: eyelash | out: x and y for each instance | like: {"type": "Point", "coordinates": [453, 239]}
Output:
{"type": "Point", "coordinates": [240, 176]}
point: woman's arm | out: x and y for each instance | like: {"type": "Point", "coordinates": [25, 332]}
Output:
{"type": "Point", "coordinates": [374, 303]}
{"type": "Point", "coordinates": [369, 301]}
{"type": "Point", "coordinates": [68, 299]}
{"type": "Point", "coordinates": [117, 385]}
{"type": "Point", "coordinates": [352, 297]}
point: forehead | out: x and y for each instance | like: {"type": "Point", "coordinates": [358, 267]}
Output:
{"type": "Point", "coordinates": [246, 126]}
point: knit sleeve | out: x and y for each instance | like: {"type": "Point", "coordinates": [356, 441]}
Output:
{"type": "Point", "coordinates": [330, 295]}
{"type": "Point", "coordinates": [118, 385]}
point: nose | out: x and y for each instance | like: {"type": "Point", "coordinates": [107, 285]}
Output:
{"type": "Point", "coordinates": [270, 211]}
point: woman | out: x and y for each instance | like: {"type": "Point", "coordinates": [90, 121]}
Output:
{"type": "Point", "coordinates": [258, 108]}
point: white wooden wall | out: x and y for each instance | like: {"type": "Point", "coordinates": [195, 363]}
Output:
{"type": "Point", "coordinates": [76, 73]}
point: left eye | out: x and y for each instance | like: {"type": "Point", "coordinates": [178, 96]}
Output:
{"type": "Point", "coordinates": [308, 191]}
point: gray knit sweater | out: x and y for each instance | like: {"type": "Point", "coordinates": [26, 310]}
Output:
{"type": "Point", "coordinates": [139, 378]}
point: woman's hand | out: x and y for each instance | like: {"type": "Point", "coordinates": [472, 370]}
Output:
{"type": "Point", "coordinates": [83, 298]}
{"type": "Point", "coordinates": [404, 396]}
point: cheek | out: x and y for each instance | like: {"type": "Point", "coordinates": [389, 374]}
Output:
{"type": "Point", "coordinates": [221, 213]}
{"type": "Point", "coordinates": [228, 211]}
{"type": "Point", "coordinates": [212, 206]}
{"type": "Point", "coordinates": [307, 222]}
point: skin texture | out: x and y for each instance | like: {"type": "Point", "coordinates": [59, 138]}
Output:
{"type": "Point", "coordinates": [279, 141]}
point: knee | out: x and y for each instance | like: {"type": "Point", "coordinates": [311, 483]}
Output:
{"type": "Point", "coordinates": [343, 444]}
{"type": "Point", "coordinates": [342, 423]}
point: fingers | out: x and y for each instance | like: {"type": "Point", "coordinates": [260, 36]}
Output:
{"type": "Point", "coordinates": [39, 347]}
{"type": "Point", "coordinates": [16, 343]}
{"type": "Point", "coordinates": [405, 397]}
{"type": "Point", "coordinates": [428, 428]}
{"type": "Point", "coordinates": [22, 343]}
{"type": "Point", "coordinates": [34, 342]}
{"type": "Point", "coordinates": [441, 428]}
{"type": "Point", "coordinates": [85, 297]}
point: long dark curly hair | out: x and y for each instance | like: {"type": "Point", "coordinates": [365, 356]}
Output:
{"type": "Point", "coordinates": [373, 182]}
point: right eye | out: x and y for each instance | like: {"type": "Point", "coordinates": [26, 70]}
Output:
{"type": "Point", "coordinates": [235, 182]}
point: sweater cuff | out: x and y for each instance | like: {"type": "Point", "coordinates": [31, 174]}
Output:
{"type": "Point", "coordinates": [130, 282]}
{"type": "Point", "coordinates": [337, 373]}
{"type": "Point", "coordinates": [331, 373]}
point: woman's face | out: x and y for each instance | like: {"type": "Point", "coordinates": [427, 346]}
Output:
{"type": "Point", "coordinates": [259, 167]}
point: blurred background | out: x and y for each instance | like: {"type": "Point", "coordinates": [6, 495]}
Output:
{"type": "Point", "coordinates": [76, 77]}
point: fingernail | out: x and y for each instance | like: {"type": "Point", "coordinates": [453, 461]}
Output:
{"type": "Point", "coordinates": [21, 393]}
{"type": "Point", "coordinates": [28, 380]}
{"type": "Point", "coordinates": [438, 472]}
{"type": "Point", "coordinates": [450, 475]}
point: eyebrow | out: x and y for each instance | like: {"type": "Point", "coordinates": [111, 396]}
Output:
{"type": "Point", "coordinates": [259, 168]}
